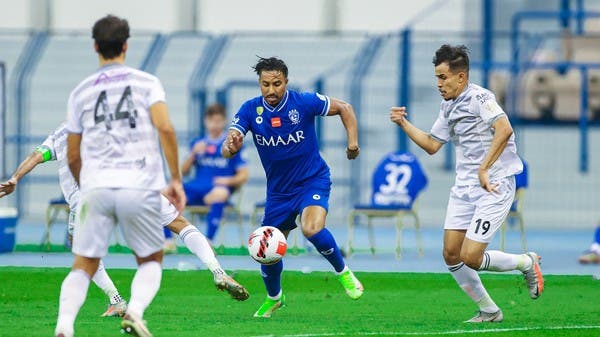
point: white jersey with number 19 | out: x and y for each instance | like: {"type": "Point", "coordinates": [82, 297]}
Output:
{"type": "Point", "coordinates": [119, 146]}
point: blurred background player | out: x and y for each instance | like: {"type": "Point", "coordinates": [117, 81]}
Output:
{"type": "Point", "coordinates": [114, 154]}
{"type": "Point", "coordinates": [486, 162]}
{"type": "Point", "coordinates": [593, 254]}
{"type": "Point", "coordinates": [55, 148]}
{"type": "Point", "coordinates": [215, 177]}
{"type": "Point", "coordinates": [282, 123]}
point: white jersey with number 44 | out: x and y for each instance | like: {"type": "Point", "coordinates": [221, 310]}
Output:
{"type": "Point", "coordinates": [119, 146]}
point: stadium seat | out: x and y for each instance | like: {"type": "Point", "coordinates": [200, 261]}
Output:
{"type": "Point", "coordinates": [232, 208]}
{"type": "Point", "coordinates": [259, 209]}
{"type": "Point", "coordinates": [397, 182]}
{"type": "Point", "coordinates": [56, 207]}
{"type": "Point", "coordinates": [516, 210]}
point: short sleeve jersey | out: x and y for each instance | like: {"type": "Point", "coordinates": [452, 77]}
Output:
{"type": "Point", "coordinates": [119, 146]}
{"type": "Point", "coordinates": [212, 164]}
{"type": "Point", "coordinates": [286, 139]}
{"type": "Point", "coordinates": [467, 122]}
{"type": "Point", "coordinates": [56, 146]}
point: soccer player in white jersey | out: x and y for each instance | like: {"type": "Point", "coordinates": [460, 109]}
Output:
{"type": "Point", "coordinates": [117, 121]}
{"type": "Point", "coordinates": [486, 162]}
{"type": "Point", "coordinates": [54, 148]}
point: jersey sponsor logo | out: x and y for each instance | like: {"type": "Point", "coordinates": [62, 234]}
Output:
{"type": "Point", "coordinates": [218, 162]}
{"type": "Point", "coordinates": [259, 120]}
{"type": "Point", "coordinates": [276, 122]}
{"type": "Point", "coordinates": [321, 97]}
{"type": "Point", "coordinates": [259, 110]}
{"type": "Point", "coordinates": [103, 78]}
{"type": "Point", "coordinates": [236, 119]}
{"type": "Point", "coordinates": [280, 140]}
{"type": "Point", "coordinates": [294, 116]}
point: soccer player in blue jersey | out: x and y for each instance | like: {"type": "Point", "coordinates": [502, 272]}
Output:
{"type": "Point", "coordinates": [282, 123]}
{"type": "Point", "coordinates": [215, 177]}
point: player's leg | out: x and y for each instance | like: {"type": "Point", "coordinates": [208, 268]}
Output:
{"type": "Point", "coordinates": [491, 211]}
{"type": "Point", "coordinates": [459, 212]}
{"type": "Point", "coordinates": [139, 214]}
{"type": "Point", "coordinates": [117, 305]}
{"type": "Point", "coordinates": [277, 214]}
{"type": "Point", "coordinates": [199, 245]}
{"type": "Point", "coordinates": [592, 255]}
{"type": "Point", "coordinates": [314, 205]}
{"type": "Point", "coordinates": [216, 198]}
{"type": "Point", "coordinates": [90, 242]}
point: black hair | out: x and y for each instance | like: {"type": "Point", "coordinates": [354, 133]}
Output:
{"type": "Point", "coordinates": [456, 56]}
{"type": "Point", "coordinates": [270, 64]}
{"type": "Point", "coordinates": [215, 109]}
{"type": "Point", "coordinates": [110, 34]}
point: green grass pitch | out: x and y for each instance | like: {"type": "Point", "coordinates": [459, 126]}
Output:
{"type": "Point", "coordinates": [394, 304]}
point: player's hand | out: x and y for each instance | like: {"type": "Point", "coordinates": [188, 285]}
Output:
{"type": "Point", "coordinates": [199, 148]}
{"type": "Point", "coordinates": [484, 181]}
{"type": "Point", "coordinates": [234, 142]}
{"type": "Point", "coordinates": [352, 152]}
{"type": "Point", "coordinates": [398, 115]}
{"type": "Point", "coordinates": [222, 181]}
{"type": "Point", "coordinates": [8, 187]}
{"type": "Point", "coordinates": [174, 192]}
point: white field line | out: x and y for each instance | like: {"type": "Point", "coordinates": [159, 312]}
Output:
{"type": "Point", "coordinates": [434, 333]}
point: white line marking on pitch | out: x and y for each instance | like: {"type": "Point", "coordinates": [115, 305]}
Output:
{"type": "Point", "coordinates": [432, 333]}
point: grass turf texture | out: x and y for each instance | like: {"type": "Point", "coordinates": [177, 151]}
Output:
{"type": "Point", "coordinates": [393, 304]}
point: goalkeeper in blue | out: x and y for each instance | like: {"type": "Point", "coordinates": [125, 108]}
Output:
{"type": "Point", "coordinates": [282, 123]}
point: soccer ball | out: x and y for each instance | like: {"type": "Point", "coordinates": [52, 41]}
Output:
{"type": "Point", "coordinates": [267, 245]}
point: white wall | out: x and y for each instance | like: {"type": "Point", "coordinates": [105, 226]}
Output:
{"type": "Point", "coordinates": [232, 15]}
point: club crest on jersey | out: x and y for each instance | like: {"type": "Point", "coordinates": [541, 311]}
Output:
{"type": "Point", "coordinates": [276, 122]}
{"type": "Point", "coordinates": [259, 110]}
{"type": "Point", "coordinates": [294, 116]}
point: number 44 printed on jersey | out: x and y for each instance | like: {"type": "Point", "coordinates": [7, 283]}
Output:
{"type": "Point", "coordinates": [124, 110]}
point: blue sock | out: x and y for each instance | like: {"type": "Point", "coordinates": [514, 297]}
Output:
{"type": "Point", "coordinates": [271, 275]}
{"type": "Point", "coordinates": [325, 244]}
{"type": "Point", "coordinates": [213, 219]}
{"type": "Point", "coordinates": [168, 233]}
{"type": "Point", "coordinates": [597, 235]}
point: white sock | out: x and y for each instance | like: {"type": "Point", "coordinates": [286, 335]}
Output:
{"type": "Point", "coordinates": [144, 287]}
{"type": "Point", "coordinates": [495, 260]}
{"type": "Point", "coordinates": [469, 281]}
{"type": "Point", "coordinates": [103, 281]}
{"type": "Point", "coordinates": [197, 243]}
{"type": "Point", "coordinates": [72, 295]}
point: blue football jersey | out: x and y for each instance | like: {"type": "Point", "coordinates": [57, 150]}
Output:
{"type": "Point", "coordinates": [212, 164]}
{"type": "Point", "coordinates": [286, 139]}
{"type": "Point", "coordinates": [397, 181]}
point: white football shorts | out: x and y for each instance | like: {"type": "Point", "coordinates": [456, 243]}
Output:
{"type": "Point", "coordinates": [168, 212]}
{"type": "Point", "coordinates": [479, 212]}
{"type": "Point", "coordinates": [138, 212]}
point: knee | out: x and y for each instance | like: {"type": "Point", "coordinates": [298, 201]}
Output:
{"type": "Point", "coordinates": [451, 257]}
{"type": "Point", "coordinates": [311, 228]}
{"type": "Point", "coordinates": [471, 259]}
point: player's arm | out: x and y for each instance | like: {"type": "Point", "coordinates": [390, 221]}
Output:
{"type": "Point", "coordinates": [36, 157]}
{"type": "Point", "coordinates": [502, 132]}
{"type": "Point", "coordinates": [238, 179]}
{"type": "Point", "coordinates": [233, 143]}
{"type": "Point", "coordinates": [74, 154]}
{"type": "Point", "coordinates": [348, 117]}
{"type": "Point", "coordinates": [423, 139]}
{"type": "Point", "coordinates": [198, 148]}
{"type": "Point", "coordinates": [159, 114]}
